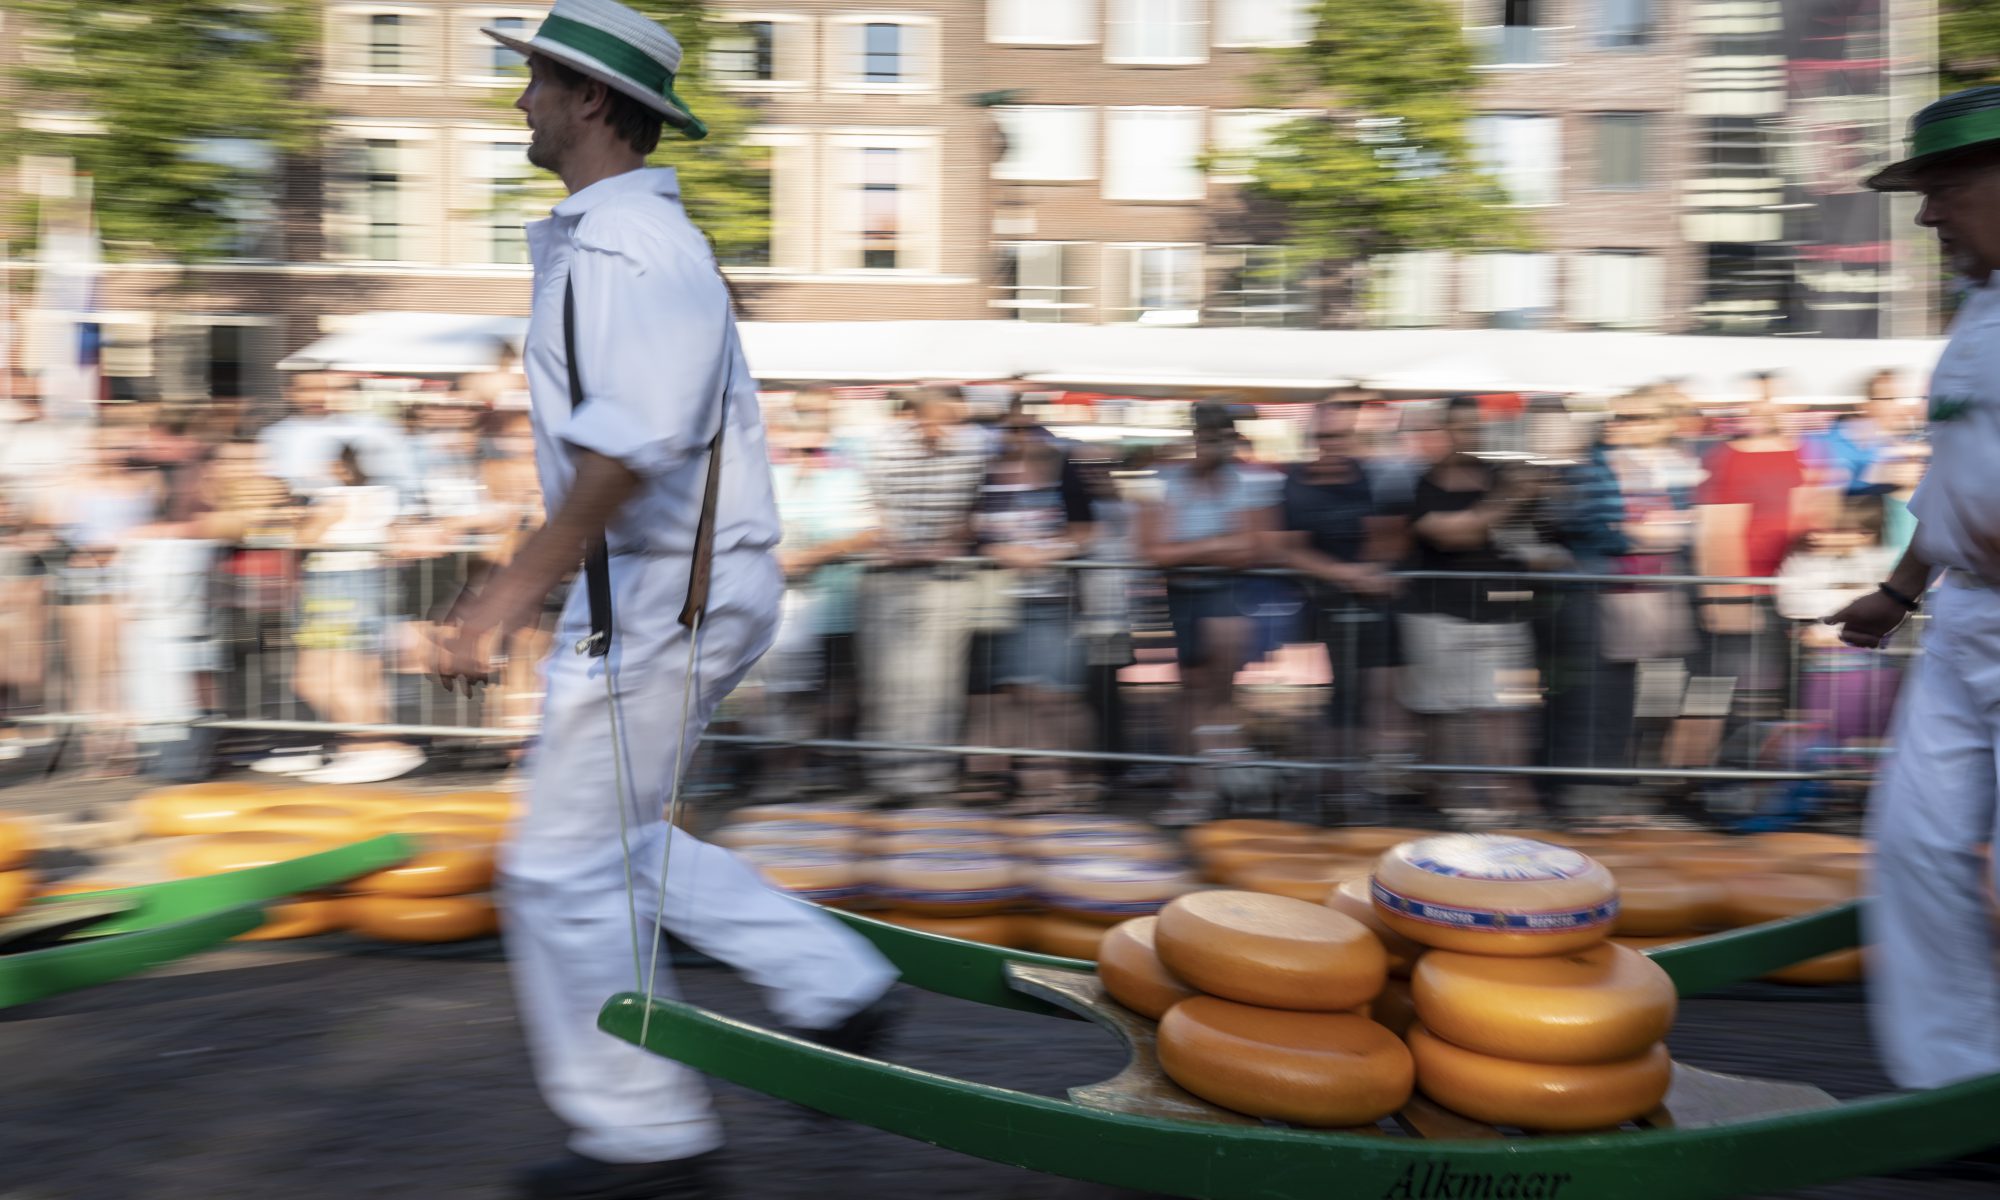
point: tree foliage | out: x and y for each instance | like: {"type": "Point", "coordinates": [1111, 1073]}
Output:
{"type": "Point", "coordinates": [178, 91]}
{"type": "Point", "coordinates": [1388, 166]}
{"type": "Point", "coordinates": [725, 181]}
{"type": "Point", "coordinates": [1968, 43]}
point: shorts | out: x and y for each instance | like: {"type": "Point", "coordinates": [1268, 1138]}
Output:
{"type": "Point", "coordinates": [342, 610]}
{"type": "Point", "coordinates": [1039, 651]}
{"type": "Point", "coordinates": [1188, 607]}
{"type": "Point", "coordinates": [1458, 666]}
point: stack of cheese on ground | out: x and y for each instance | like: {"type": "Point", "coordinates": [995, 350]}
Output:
{"type": "Point", "coordinates": [947, 871]}
{"type": "Point", "coordinates": [441, 895]}
{"type": "Point", "coordinates": [17, 845]}
{"type": "Point", "coordinates": [1088, 874]}
{"type": "Point", "coordinates": [1262, 1004]}
{"type": "Point", "coordinates": [1526, 1015]}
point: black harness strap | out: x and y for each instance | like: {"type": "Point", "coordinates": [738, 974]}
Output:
{"type": "Point", "coordinates": [597, 559]}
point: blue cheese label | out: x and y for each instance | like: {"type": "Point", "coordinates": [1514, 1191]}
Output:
{"type": "Point", "coordinates": [1487, 856]}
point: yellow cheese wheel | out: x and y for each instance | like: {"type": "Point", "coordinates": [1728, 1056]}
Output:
{"type": "Point", "coordinates": [1372, 840]}
{"type": "Point", "coordinates": [306, 917]}
{"type": "Point", "coordinates": [334, 822]}
{"type": "Point", "coordinates": [1849, 871]}
{"type": "Point", "coordinates": [1002, 929]}
{"type": "Point", "coordinates": [1723, 861]}
{"type": "Point", "coordinates": [812, 814]}
{"type": "Point", "coordinates": [1643, 944]}
{"type": "Point", "coordinates": [82, 887]}
{"type": "Point", "coordinates": [1792, 845]}
{"type": "Point", "coordinates": [1396, 1008]}
{"type": "Point", "coordinates": [1208, 836]}
{"type": "Point", "coordinates": [1662, 903]}
{"type": "Point", "coordinates": [423, 821]}
{"type": "Point", "coordinates": [349, 795]}
{"type": "Point", "coordinates": [1773, 896]}
{"type": "Point", "coordinates": [1271, 950]}
{"type": "Point", "coordinates": [15, 889]}
{"type": "Point", "coordinates": [794, 835]}
{"type": "Point", "coordinates": [1222, 863]}
{"type": "Point", "coordinates": [17, 842]}
{"type": "Point", "coordinates": [932, 818]}
{"type": "Point", "coordinates": [948, 885]}
{"type": "Point", "coordinates": [1354, 898]}
{"type": "Point", "coordinates": [1842, 966]}
{"type": "Point", "coordinates": [220, 852]}
{"type": "Point", "coordinates": [1665, 839]}
{"type": "Point", "coordinates": [1138, 847]}
{"type": "Point", "coordinates": [1130, 968]}
{"type": "Point", "coordinates": [1599, 1004]}
{"type": "Point", "coordinates": [444, 866]}
{"type": "Point", "coordinates": [420, 918]}
{"type": "Point", "coordinates": [1617, 861]}
{"type": "Point", "coordinates": [1108, 890]}
{"type": "Point", "coordinates": [934, 841]}
{"type": "Point", "coordinates": [1065, 937]}
{"type": "Point", "coordinates": [198, 808]}
{"type": "Point", "coordinates": [1493, 895]}
{"type": "Point", "coordinates": [1058, 824]}
{"type": "Point", "coordinates": [815, 875]}
{"type": "Point", "coordinates": [1548, 1097]}
{"type": "Point", "coordinates": [1308, 879]}
{"type": "Point", "coordinates": [1327, 1070]}
{"type": "Point", "coordinates": [495, 805]}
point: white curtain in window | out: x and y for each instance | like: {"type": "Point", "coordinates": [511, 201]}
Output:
{"type": "Point", "coordinates": [1158, 30]}
{"type": "Point", "coordinates": [1263, 22]}
{"type": "Point", "coordinates": [1510, 283]}
{"type": "Point", "coordinates": [1044, 22]}
{"type": "Point", "coordinates": [1524, 152]}
{"type": "Point", "coordinates": [1048, 141]}
{"type": "Point", "coordinates": [1620, 291]}
{"type": "Point", "coordinates": [1151, 154]}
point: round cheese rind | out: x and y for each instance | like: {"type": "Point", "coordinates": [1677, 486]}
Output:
{"type": "Point", "coordinates": [936, 841]}
{"type": "Point", "coordinates": [1220, 864]}
{"type": "Point", "coordinates": [1065, 937]}
{"type": "Point", "coordinates": [1372, 840]}
{"type": "Point", "coordinates": [792, 814]}
{"type": "Point", "coordinates": [335, 822]}
{"type": "Point", "coordinates": [306, 917]}
{"type": "Point", "coordinates": [445, 866]}
{"type": "Point", "coordinates": [1271, 951]}
{"type": "Point", "coordinates": [1137, 846]}
{"type": "Point", "coordinates": [1002, 929]}
{"type": "Point", "coordinates": [796, 835]}
{"type": "Point", "coordinates": [948, 885]}
{"type": "Point", "coordinates": [1849, 871]}
{"type": "Point", "coordinates": [1493, 895]}
{"type": "Point", "coordinates": [1109, 890]}
{"type": "Point", "coordinates": [1396, 1008]}
{"type": "Point", "coordinates": [1643, 944]}
{"type": "Point", "coordinates": [1354, 897]}
{"type": "Point", "coordinates": [1320, 1069]}
{"type": "Point", "coordinates": [931, 818]}
{"type": "Point", "coordinates": [1203, 838]}
{"type": "Point", "coordinates": [420, 919]}
{"type": "Point", "coordinates": [1724, 861]}
{"type": "Point", "coordinates": [1792, 845]}
{"type": "Point", "coordinates": [1842, 966]}
{"type": "Point", "coordinates": [17, 842]}
{"type": "Point", "coordinates": [15, 889]}
{"type": "Point", "coordinates": [1029, 829]}
{"type": "Point", "coordinates": [1129, 966]}
{"type": "Point", "coordinates": [1655, 903]}
{"type": "Point", "coordinates": [198, 808]}
{"type": "Point", "coordinates": [1549, 1097]}
{"type": "Point", "coordinates": [482, 802]}
{"type": "Point", "coordinates": [1756, 898]}
{"type": "Point", "coordinates": [240, 851]}
{"type": "Point", "coordinates": [461, 824]}
{"type": "Point", "coordinates": [1599, 1004]}
{"type": "Point", "coordinates": [815, 875]}
{"type": "Point", "coordinates": [1308, 879]}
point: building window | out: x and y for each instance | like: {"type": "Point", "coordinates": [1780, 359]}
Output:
{"type": "Point", "coordinates": [1412, 289]}
{"type": "Point", "coordinates": [1158, 31]}
{"type": "Point", "coordinates": [381, 198]}
{"type": "Point", "coordinates": [1153, 154]}
{"type": "Point", "coordinates": [1047, 141]}
{"type": "Point", "coordinates": [483, 62]}
{"type": "Point", "coordinates": [1512, 291]}
{"type": "Point", "coordinates": [1241, 137]}
{"type": "Point", "coordinates": [881, 206]}
{"type": "Point", "coordinates": [1523, 151]}
{"type": "Point", "coordinates": [1042, 22]}
{"type": "Point", "coordinates": [883, 193]}
{"type": "Point", "coordinates": [1264, 22]}
{"type": "Point", "coordinates": [1258, 285]}
{"type": "Point", "coordinates": [1041, 281]}
{"type": "Point", "coordinates": [881, 54]}
{"type": "Point", "coordinates": [1623, 145]}
{"type": "Point", "coordinates": [1624, 24]}
{"type": "Point", "coordinates": [507, 194]}
{"type": "Point", "coordinates": [1510, 33]}
{"type": "Point", "coordinates": [1153, 285]}
{"type": "Point", "coordinates": [1615, 289]}
{"type": "Point", "coordinates": [382, 44]}
{"type": "Point", "coordinates": [746, 54]}
{"type": "Point", "coordinates": [251, 208]}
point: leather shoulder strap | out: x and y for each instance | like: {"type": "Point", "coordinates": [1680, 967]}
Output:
{"type": "Point", "coordinates": [597, 559]}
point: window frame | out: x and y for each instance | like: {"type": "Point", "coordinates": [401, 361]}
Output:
{"type": "Point", "coordinates": [1578, 265]}
{"type": "Point", "coordinates": [1217, 172]}
{"type": "Point", "coordinates": [1111, 113]}
{"type": "Point", "coordinates": [1557, 165]}
{"type": "Point", "coordinates": [1217, 24]}
{"type": "Point", "coordinates": [1644, 123]}
{"type": "Point", "coordinates": [1649, 39]}
{"type": "Point", "coordinates": [1089, 154]}
{"type": "Point", "coordinates": [422, 198]}
{"type": "Point", "coordinates": [849, 30]}
{"type": "Point", "coordinates": [1015, 307]}
{"type": "Point", "coordinates": [475, 223]}
{"type": "Point", "coordinates": [468, 21]}
{"type": "Point", "coordinates": [1093, 24]}
{"type": "Point", "coordinates": [431, 20]}
{"type": "Point", "coordinates": [1112, 24]}
{"type": "Point", "coordinates": [1296, 288]}
{"type": "Point", "coordinates": [842, 247]}
{"type": "Point", "coordinates": [1199, 252]}
{"type": "Point", "coordinates": [794, 26]}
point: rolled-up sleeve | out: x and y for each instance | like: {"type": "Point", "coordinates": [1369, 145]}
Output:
{"type": "Point", "coordinates": [651, 336]}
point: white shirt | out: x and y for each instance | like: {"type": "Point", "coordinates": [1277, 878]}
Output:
{"type": "Point", "coordinates": [1960, 493]}
{"type": "Point", "coordinates": [300, 450]}
{"type": "Point", "coordinates": [655, 339]}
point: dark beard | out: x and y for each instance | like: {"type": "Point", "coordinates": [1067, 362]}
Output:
{"type": "Point", "coordinates": [541, 156]}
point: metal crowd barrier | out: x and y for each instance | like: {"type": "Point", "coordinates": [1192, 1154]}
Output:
{"type": "Point", "coordinates": [1557, 678]}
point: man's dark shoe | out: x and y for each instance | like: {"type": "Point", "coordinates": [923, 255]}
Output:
{"type": "Point", "coordinates": [578, 1178]}
{"type": "Point", "coordinates": [866, 1031]}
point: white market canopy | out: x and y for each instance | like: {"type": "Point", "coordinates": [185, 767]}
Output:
{"type": "Point", "coordinates": [1114, 357]}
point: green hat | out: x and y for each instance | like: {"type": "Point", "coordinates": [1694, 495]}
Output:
{"type": "Point", "coordinates": [1941, 129]}
{"type": "Point", "coordinates": [617, 47]}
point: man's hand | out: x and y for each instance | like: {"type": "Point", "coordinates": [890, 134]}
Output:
{"type": "Point", "coordinates": [463, 654]}
{"type": "Point", "coordinates": [1868, 622]}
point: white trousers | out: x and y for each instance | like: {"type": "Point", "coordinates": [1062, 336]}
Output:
{"type": "Point", "coordinates": [916, 636]}
{"type": "Point", "coordinates": [569, 915]}
{"type": "Point", "coordinates": [1932, 974]}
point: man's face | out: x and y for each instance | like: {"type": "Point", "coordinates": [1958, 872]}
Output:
{"type": "Point", "coordinates": [309, 394]}
{"type": "Point", "coordinates": [1962, 203]}
{"type": "Point", "coordinates": [1334, 431]}
{"type": "Point", "coordinates": [550, 109]}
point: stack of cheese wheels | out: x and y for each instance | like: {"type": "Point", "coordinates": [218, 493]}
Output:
{"type": "Point", "coordinates": [789, 835]}
{"type": "Point", "coordinates": [1118, 845]}
{"type": "Point", "coordinates": [1774, 896]}
{"type": "Point", "coordinates": [441, 894]}
{"type": "Point", "coordinates": [1524, 1015]}
{"type": "Point", "coordinates": [821, 876]}
{"type": "Point", "coordinates": [17, 845]}
{"type": "Point", "coordinates": [1308, 879]}
{"type": "Point", "coordinates": [905, 819]}
{"type": "Point", "coordinates": [1220, 847]}
{"type": "Point", "coordinates": [947, 884]}
{"type": "Point", "coordinates": [1260, 1001]}
{"type": "Point", "coordinates": [198, 808]}
{"type": "Point", "coordinates": [1658, 907]}
{"type": "Point", "coordinates": [241, 850]}
{"type": "Point", "coordinates": [1106, 891]}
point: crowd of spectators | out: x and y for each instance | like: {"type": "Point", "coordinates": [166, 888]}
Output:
{"type": "Point", "coordinates": [158, 565]}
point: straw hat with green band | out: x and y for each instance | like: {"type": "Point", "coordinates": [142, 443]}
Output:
{"type": "Point", "coordinates": [621, 48]}
{"type": "Point", "coordinates": [1941, 130]}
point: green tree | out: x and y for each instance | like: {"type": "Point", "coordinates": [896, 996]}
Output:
{"type": "Point", "coordinates": [193, 104]}
{"type": "Point", "coordinates": [725, 181]}
{"type": "Point", "coordinates": [1968, 43]}
{"type": "Point", "coordinates": [1388, 166]}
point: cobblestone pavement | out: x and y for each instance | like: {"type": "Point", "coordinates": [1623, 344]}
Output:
{"type": "Point", "coordinates": [336, 1069]}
